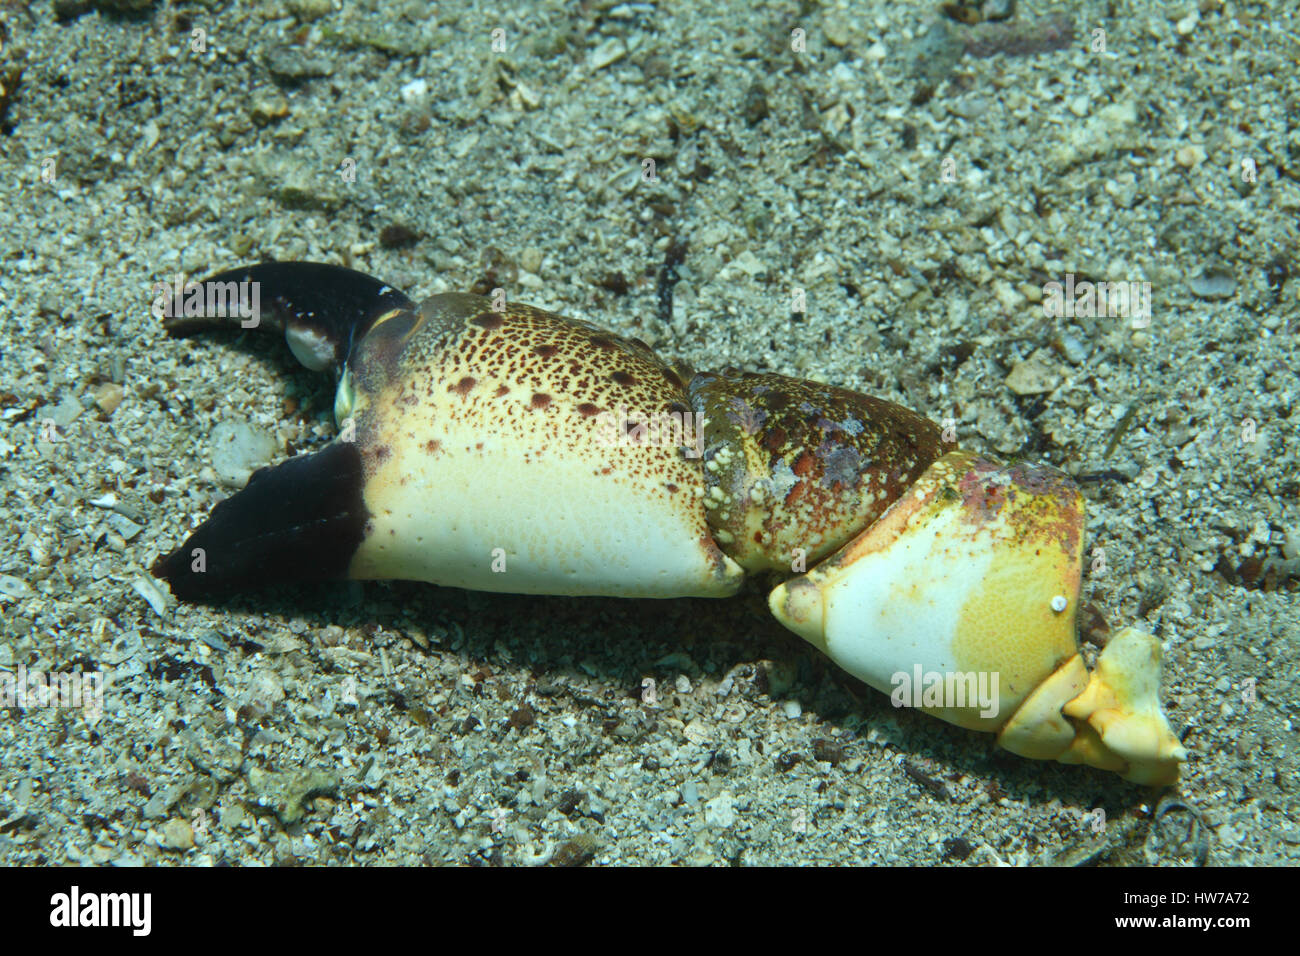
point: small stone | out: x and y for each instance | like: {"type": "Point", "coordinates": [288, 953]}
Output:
{"type": "Point", "coordinates": [524, 98]}
{"type": "Point", "coordinates": [415, 92]}
{"type": "Point", "coordinates": [719, 811]}
{"type": "Point", "coordinates": [1291, 541]}
{"type": "Point", "coordinates": [530, 260]}
{"type": "Point", "coordinates": [836, 30]}
{"type": "Point", "coordinates": [237, 450]}
{"type": "Point", "coordinates": [1007, 295]}
{"type": "Point", "coordinates": [1187, 24]}
{"type": "Point", "coordinates": [282, 644]}
{"type": "Point", "coordinates": [1215, 282]}
{"type": "Point", "coordinates": [749, 263]}
{"type": "Point", "coordinates": [65, 413]}
{"type": "Point", "coordinates": [285, 793]}
{"type": "Point", "coordinates": [696, 732]}
{"type": "Point", "coordinates": [1189, 156]}
{"type": "Point", "coordinates": [124, 526]}
{"type": "Point", "coordinates": [1110, 128]}
{"type": "Point", "coordinates": [213, 640]}
{"type": "Point", "coordinates": [932, 56]}
{"type": "Point", "coordinates": [307, 10]}
{"type": "Point", "coordinates": [1033, 376]}
{"type": "Point", "coordinates": [265, 690]}
{"type": "Point", "coordinates": [158, 805]}
{"type": "Point", "coordinates": [683, 684]}
{"type": "Point", "coordinates": [792, 709]}
{"type": "Point", "coordinates": [108, 396]}
{"type": "Point", "coordinates": [578, 851]}
{"type": "Point", "coordinates": [292, 67]}
{"type": "Point", "coordinates": [154, 596]}
{"type": "Point", "coordinates": [608, 52]}
{"type": "Point", "coordinates": [176, 834]}
{"type": "Point", "coordinates": [16, 588]}
{"type": "Point", "coordinates": [971, 107]}
{"type": "Point", "coordinates": [1073, 349]}
{"type": "Point", "coordinates": [267, 107]}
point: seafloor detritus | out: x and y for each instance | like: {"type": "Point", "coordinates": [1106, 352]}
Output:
{"type": "Point", "coordinates": [499, 447]}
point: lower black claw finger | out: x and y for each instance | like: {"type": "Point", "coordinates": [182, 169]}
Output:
{"type": "Point", "coordinates": [298, 521]}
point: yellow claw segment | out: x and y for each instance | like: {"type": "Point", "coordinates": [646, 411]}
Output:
{"type": "Point", "coordinates": [1038, 729]}
{"type": "Point", "coordinates": [1122, 705]}
{"type": "Point", "coordinates": [972, 574]}
{"type": "Point", "coordinates": [1087, 748]}
{"type": "Point", "coordinates": [798, 604]}
{"type": "Point", "coordinates": [975, 573]}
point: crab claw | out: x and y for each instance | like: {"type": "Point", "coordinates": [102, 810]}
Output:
{"type": "Point", "coordinates": [478, 448]}
{"type": "Point", "coordinates": [961, 600]}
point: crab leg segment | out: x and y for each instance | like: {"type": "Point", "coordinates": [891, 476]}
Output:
{"type": "Point", "coordinates": [968, 586]}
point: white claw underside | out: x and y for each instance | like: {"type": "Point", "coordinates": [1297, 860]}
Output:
{"type": "Point", "coordinates": [487, 520]}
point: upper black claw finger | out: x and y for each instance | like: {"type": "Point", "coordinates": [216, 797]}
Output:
{"type": "Point", "coordinates": [322, 309]}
